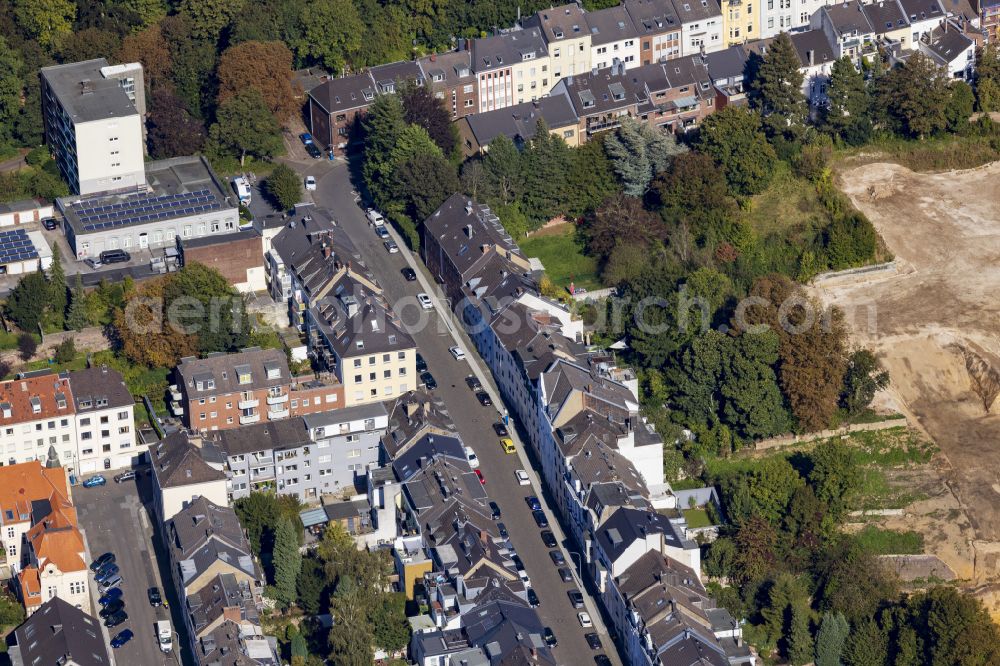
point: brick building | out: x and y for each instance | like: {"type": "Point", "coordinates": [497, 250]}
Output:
{"type": "Point", "coordinates": [239, 257]}
{"type": "Point", "coordinates": [450, 77]}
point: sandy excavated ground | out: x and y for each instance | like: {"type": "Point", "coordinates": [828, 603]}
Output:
{"type": "Point", "coordinates": [944, 230]}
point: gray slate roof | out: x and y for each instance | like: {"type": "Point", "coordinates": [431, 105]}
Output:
{"type": "Point", "coordinates": [225, 370]}
{"type": "Point", "coordinates": [99, 386]}
{"type": "Point", "coordinates": [100, 98]}
{"type": "Point", "coordinates": [506, 49]}
{"type": "Point", "coordinates": [519, 122]}
{"type": "Point", "coordinates": [55, 631]}
{"type": "Point", "coordinates": [816, 42]}
{"type": "Point", "coordinates": [610, 25]}
{"type": "Point", "coordinates": [177, 462]}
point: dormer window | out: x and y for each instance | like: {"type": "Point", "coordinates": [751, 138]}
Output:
{"type": "Point", "coordinates": [102, 402]}
{"type": "Point", "coordinates": [36, 405]}
{"type": "Point", "coordinates": [86, 403]}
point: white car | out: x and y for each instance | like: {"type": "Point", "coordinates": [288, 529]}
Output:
{"type": "Point", "coordinates": [425, 301]}
{"type": "Point", "coordinates": [457, 353]}
{"type": "Point", "coordinates": [471, 456]}
{"type": "Point", "coordinates": [522, 478]}
{"type": "Point", "coordinates": [311, 183]}
{"type": "Point", "coordinates": [584, 619]}
{"type": "Point", "coordinates": [391, 247]}
{"type": "Point", "coordinates": [375, 217]}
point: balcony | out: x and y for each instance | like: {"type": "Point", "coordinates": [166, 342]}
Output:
{"type": "Point", "coordinates": [277, 413]}
{"type": "Point", "coordinates": [176, 408]}
{"type": "Point", "coordinates": [277, 399]}
{"type": "Point", "coordinates": [175, 393]}
{"type": "Point", "coordinates": [263, 475]}
{"type": "Point", "coordinates": [247, 419]}
{"type": "Point", "coordinates": [248, 404]}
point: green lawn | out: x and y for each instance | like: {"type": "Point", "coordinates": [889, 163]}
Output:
{"type": "Point", "coordinates": [890, 542]}
{"type": "Point", "coordinates": [563, 258]}
{"type": "Point", "coordinates": [789, 202]}
{"type": "Point", "coordinates": [696, 518]}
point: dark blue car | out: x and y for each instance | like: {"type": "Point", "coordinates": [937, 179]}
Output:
{"type": "Point", "coordinates": [113, 594]}
{"type": "Point", "coordinates": [533, 503]}
{"type": "Point", "coordinates": [94, 481]}
{"type": "Point", "coordinates": [107, 573]}
{"type": "Point", "coordinates": [122, 638]}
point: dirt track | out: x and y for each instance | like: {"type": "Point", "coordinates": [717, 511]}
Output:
{"type": "Point", "coordinates": [945, 232]}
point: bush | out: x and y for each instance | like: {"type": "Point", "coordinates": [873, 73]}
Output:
{"type": "Point", "coordinates": [850, 241]}
{"type": "Point", "coordinates": [38, 156]}
{"type": "Point", "coordinates": [283, 187]}
{"type": "Point", "coordinates": [26, 346]}
{"type": "Point", "coordinates": [65, 351]}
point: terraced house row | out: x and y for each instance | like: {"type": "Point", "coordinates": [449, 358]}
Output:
{"type": "Point", "coordinates": [600, 460]}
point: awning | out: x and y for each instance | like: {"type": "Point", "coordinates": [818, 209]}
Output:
{"type": "Point", "coordinates": [313, 517]}
{"type": "Point", "coordinates": [684, 102]}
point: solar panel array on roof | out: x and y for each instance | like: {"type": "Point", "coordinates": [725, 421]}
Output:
{"type": "Point", "coordinates": [146, 208]}
{"type": "Point", "coordinates": [16, 246]}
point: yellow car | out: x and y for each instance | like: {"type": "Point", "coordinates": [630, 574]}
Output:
{"type": "Point", "coordinates": [508, 445]}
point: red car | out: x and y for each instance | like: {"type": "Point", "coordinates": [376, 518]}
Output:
{"type": "Point", "coordinates": [482, 479]}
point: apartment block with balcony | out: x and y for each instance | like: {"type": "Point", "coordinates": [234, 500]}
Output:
{"type": "Point", "coordinates": [36, 413]}
{"type": "Point", "coordinates": [567, 38]}
{"type": "Point", "coordinates": [613, 38]}
{"type": "Point", "coordinates": [94, 116]}
{"type": "Point", "coordinates": [601, 98]}
{"type": "Point", "coordinates": [450, 77]}
{"type": "Point", "coordinates": [511, 68]}
{"type": "Point", "coordinates": [105, 421]}
{"type": "Point", "coordinates": [658, 27]}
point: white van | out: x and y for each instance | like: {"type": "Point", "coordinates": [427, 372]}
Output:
{"type": "Point", "coordinates": [375, 217]}
{"type": "Point", "coordinates": [164, 636]}
{"type": "Point", "coordinates": [242, 187]}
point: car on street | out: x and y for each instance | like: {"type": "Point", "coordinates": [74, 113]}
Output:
{"type": "Point", "coordinates": [522, 478]}
{"type": "Point", "coordinates": [502, 529]}
{"type": "Point", "coordinates": [409, 274]}
{"type": "Point", "coordinates": [428, 381]}
{"type": "Point", "coordinates": [116, 619]}
{"type": "Point", "coordinates": [482, 479]}
{"type": "Point", "coordinates": [533, 599]}
{"type": "Point", "coordinates": [593, 640]}
{"type": "Point", "coordinates": [114, 581]}
{"type": "Point", "coordinates": [575, 598]}
{"type": "Point", "coordinates": [507, 444]}
{"type": "Point", "coordinates": [518, 563]}
{"type": "Point", "coordinates": [121, 638]}
{"type": "Point", "coordinates": [310, 183]}
{"type": "Point", "coordinates": [115, 257]}
{"type": "Point", "coordinates": [382, 232]}
{"type": "Point", "coordinates": [390, 246]}
{"type": "Point", "coordinates": [107, 573]}
{"type": "Point", "coordinates": [584, 619]}
{"type": "Point", "coordinates": [125, 476]}
{"type": "Point", "coordinates": [101, 561]}
{"type": "Point", "coordinates": [154, 596]}
{"type": "Point", "coordinates": [602, 660]}
{"type": "Point", "coordinates": [484, 398]}
{"type": "Point", "coordinates": [565, 575]}
{"type": "Point", "coordinates": [495, 511]}
{"type": "Point", "coordinates": [550, 638]}
{"type": "Point", "coordinates": [112, 608]}
{"type": "Point", "coordinates": [473, 383]}
{"type": "Point", "coordinates": [540, 518]}
{"type": "Point", "coordinates": [421, 363]}
{"type": "Point", "coordinates": [549, 539]}
{"type": "Point", "coordinates": [557, 558]}
{"type": "Point", "coordinates": [425, 301]}
{"type": "Point", "coordinates": [457, 353]}
{"type": "Point", "coordinates": [112, 594]}
{"type": "Point", "coordinates": [471, 456]}
{"type": "Point", "coordinates": [306, 138]}
{"type": "Point", "coordinates": [375, 217]}
{"type": "Point", "coordinates": [94, 481]}
{"type": "Point", "coordinates": [93, 262]}
{"type": "Point", "coordinates": [501, 430]}
{"type": "Point", "coordinates": [313, 151]}
{"type": "Point", "coordinates": [50, 223]}
{"type": "Point", "coordinates": [533, 503]}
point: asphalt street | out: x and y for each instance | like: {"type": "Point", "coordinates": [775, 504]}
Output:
{"type": "Point", "coordinates": [434, 332]}
{"type": "Point", "coordinates": [115, 520]}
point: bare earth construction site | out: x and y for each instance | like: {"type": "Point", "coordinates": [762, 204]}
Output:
{"type": "Point", "coordinates": [934, 321]}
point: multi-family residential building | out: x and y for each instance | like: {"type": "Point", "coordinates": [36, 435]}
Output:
{"type": "Point", "coordinates": [727, 69]}
{"type": "Point", "coordinates": [679, 93]}
{"type": "Point", "coordinates": [58, 633]}
{"type": "Point", "coordinates": [658, 27]}
{"type": "Point", "coordinates": [924, 16]}
{"type": "Point", "coordinates": [567, 38]}
{"type": "Point", "coordinates": [223, 391]}
{"type": "Point", "coordinates": [889, 23]}
{"type": "Point", "coordinates": [95, 118]}
{"type": "Point", "coordinates": [105, 421]}
{"type": "Point", "coordinates": [952, 50]}
{"type": "Point", "coordinates": [511, 68]}
{"type": "Point", "coordinates": [614, 38]}
{"type": "Point", "coordinates": [602, 98]}
{"type": "Point", "coordinates": [740, 21]}
{"type": "Point", "coordinates": [310, 456]}
{"type": "Point", "coordinates": [701, 26]}
{"type": "Point", "coordinates": [183, 470]}
{"type": "Point", "coordinates": [335, 110]}
{"type": "Point", "coordinates": [817, 58]}
{"type": "Point", "coordinates": [451, 79]}
{"type": "Point", "coordinates": [36, 412]}
{"type": "Point", "coordinates": [848, 28]}
{"type": "Point", "coordinates": [20, 486]}
{"type": "Point", "coordinates": [518, 123]}
{"type": "Point", "coordinates": [989, 19]}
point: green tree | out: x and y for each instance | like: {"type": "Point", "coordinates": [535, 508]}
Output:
{"type": "Point", "coordinates": [864, 378]}
{"type": "Point", "coordinates": [171, 129]}
{"type": "Point", "coordinates": [961, 103]}
{"type": "Point", "coordinates": [244, 126]}
{"type": "Point", "coordinates": [850, 241]}
{"type": "Point", "coordinates": [11, 88]}
{"type": "Point", "coordinates": [148, 11]}
{"type": "Point", "coordinates": [299, 650]}
{"type": "Point", "coordinates": [954, 628]}
{"type": "Point", "coordinates": [734, 140]}
{"type": "Point", "coordinates": [690, 192]}
{"type": "Point", "coordinates": [503, 176]}
{"type": "Point", "coordinates": [332, 33]}
{"type": "Point", "coordinates": [590, 177]}
{"type": "Point", "coordinates": [752, 402]}
{"type": "Point", "coordinates": [764, 491]}
{"type": "Point", "coordinates": [425, 181]}
{"type": "Point", "coordinates": [834, 476]}
{"type": "Point", "coordinates": [287, 562]}
{"type": "Point", "coordinates": [389, 625]}
{"type": "Point", "coordinates": [914, 95]}
{"type": "Point", "coordinates": [800, 642]}
{"type": "Point", "coordinates": [57, 284]}
{"type": "Point", "coordinates": [77, 319]}
{"type": "Point", "coordinates": [65, 351]}
{"type": "Point", "coordinates": [383, 125]}
{"type": "Point", "coordinates": [777, 88]}
{"type": "Point", "coordinates": [191, 63]}
{"type": "Point", "coordinates": [351, 639]}
{"type": "Point", "coordinates": [284, 187]}
{"type": "Point", "coordinates": [847, 115]}
{"type": "Point", "coordinates": [988, 78]}
{"type": "Point", "coordinates": [45, 20]}
{"type": "Point", "coordinates": [311, 585]}
{"type": "Point", "coordinates": [28, 301]}
{"type": "Point", "coordinates": [868, 645]}
{"type": "Point", "coordinates": [637, 153]}
{"type": "Point", "coordinates": [621, 220]}
{"type": "Point", "coordinates": [830, 639]}
{"type": "Point", "coordinates": [546, 164]}
{"type": "Point", "coordinates": [26, 345]}
{"type": "Point", "coordinates": [210, 17]}
{"type": "Point", "coordinates": [221, 324]}
{"type": "Point", "coordinates": [422, 108]}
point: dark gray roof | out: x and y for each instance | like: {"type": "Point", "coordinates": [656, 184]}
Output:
{"type": "Point", "coordinates": [225, 370]}
{"type": "Point", "coordinates": [413, 415]}
{"type": "Point", "coordinates": [519, 122]}
{"type": "Point", "coordinates": [611, 24]}
{"type": "Point", "coordinates": [56, 631]}
{"type": "Point", "coordinates": [371, 410]}
{"type": "Point", "coordinates": [728, 64]}
{"type": "Point", "coordinates": [201, 521]}
{"type": "Point", "coordinates": [506, 49]}
{"type": "Point", "coordinates": [921, 10]}
{"type": "Point", "coordinates": [848, 18]}
{"type": "Point", "coordinates": [653, 17]}
{"type": "Point", "coordinates": [426, 448]}
{"type": "Point", "coordinates": [272, 435]}
{"type": "Point", "coordinates": [559, 23]}
{"type": "Point", "coordinates": [946, 45]}
{"type": "Point", "coordinates": [626, 525]}
{"type": "Point", "coordinates": [451, 225]}
{"type": "Point", "coordinates": [315, 248]}
{"type": "Point", "coordinates": [815, 42]}
{"type": "Point", "coordinates": [85, 94]}
{"type": "Point", "coordinates": [447, 69]}
{"type": "Point", "coordinates": [388, 75]}
{"type": "Point", "coordinates": [503, 628]}
{"type": "Point", "coordinates": [221, 239]}
{"type": "Point", "coordinates": [696, 10]}
{"type": "Point", "coordinates": [177, 462]}
{"type": "Point", "coordinates": [101, 387]}
{"type": "Point", "coordinates": [611, 89]}
{"type": "Point", "coordinates": [222, 593]}
{"type": "Point", "coordinates": [344, 94]}
{"type": "Point", "coordinates": [885, 16]}
{"type": "Point", "coordinates": [226, 647]}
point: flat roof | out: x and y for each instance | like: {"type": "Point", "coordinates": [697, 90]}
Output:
{"type": "Point", "coordinates": [85, 94]}
{"type": "Point", "coordinates": [176, 188]}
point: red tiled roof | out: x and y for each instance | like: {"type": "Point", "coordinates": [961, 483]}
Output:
{"type": "Point", "coordinates": [20, 397]}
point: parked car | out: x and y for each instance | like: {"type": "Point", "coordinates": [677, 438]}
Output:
{"type": "Point", "coordinates": [495, 510]}
{"type": "Point", "coordinates": [602, 660]}
{"type": "Point", "coordinates": [50, 223]}
{"type": "Point", "coordinates": [390, 246]}
{"type": "Point", "coordinates": [457, 353]}
{"type": "Point", "coordinates": [522, 478]}
{"type": "Point", "coordinates": [540, 518]}
{"type": "Point", "coordinates": [116, 619]}
{"type": "Point", "coordinates": [507, 444]}
{"type": "Point", "coordinates": [533, 503]}
{"type": "Point", "coordinates": [425, 301]}
{"type": "Point", "coordinates": [375, 217]}
{"type": "Point", "coordinates": [550, 638]}
{"type": "Point", "coordinates": [584, 618]}
{"type": "Point", "coordinates": [471, 456]}
{"type": "Point", "coordinates": [153, 594]}
{"type": "Point", "coordinates": [484, 398]}
{"type": "Point", "coordinates": [409, 274]}
{"type": "Point", "coordinates": [518, 563]}
{"type": "Point", "coordinates": [111, 595]}
{"type": "Point", "coordinates": [502, 529]}
{"type": "Point", "coordinates": [382, 232]}
{"type": "Point", "coordinates": [306, 138]}
{"type": "Point", "coordinates": [101, 561]}
{"type": "Point", "coordinates": [428, 381]}
{"type": "Point", "coordinates": [107, 573]}
{"type": "Point", "coordinates": [94, 481]}
{"type": "Point", "coordinates": [122, 638]}
{"type": "Point", "coordinates": [313, 151]}
{"type": "Point", "coordinates": [575, 598]}
{"type": "Point", "coordinates": [93, 262]}
{"type": "Point", "coordinates": [125, 476]}
{"type": "Point", "coordinates": [533, 599]}
{"type": "Point", "coordinates": [473, 383]}
{"type": "Point", "coordinates": [565, 575]}
{"type": "Point", "coordinates": [421, 363]}
{"type": "Point", "coordinates": [115, 257]}
{"type": "Point", "coordinates": [482, 479]}
{"type": "Point", "coordinates": [593, 640]}
{"type": "Point", "coordinates": [310, 183]}
{"type": "Point", "coordinates": [112, 608]}
{"type": "Point", "coordinates": [557, 557]}
{"type": "Point", "coordinates": [114, 581]}
{"type": "Point", "coordinates": [549, 539]}
{"type": "Point", "coordinates": [501, 430]}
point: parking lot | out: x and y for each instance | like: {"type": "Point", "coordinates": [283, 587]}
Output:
{"type": "Point", "coordinates": [115, 520]}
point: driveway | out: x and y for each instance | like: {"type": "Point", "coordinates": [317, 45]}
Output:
{"type": "Point", "coordinates": [114, 519]}
{"type": "Point", "coordinates": [474, 422]}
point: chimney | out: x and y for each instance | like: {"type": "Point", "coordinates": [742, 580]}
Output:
{"type": "Point", "coordinates": [468, 230]}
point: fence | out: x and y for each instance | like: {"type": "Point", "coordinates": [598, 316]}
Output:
{"type": "Point", "coordinates": [594, 295]}
{"type": "Point", "coordinates": [787, 440]}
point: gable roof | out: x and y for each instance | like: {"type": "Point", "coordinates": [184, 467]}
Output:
{"type": "Point", "coordinates": [611, 24]}
{"type": "Point", "coordinates": [816, 43]}
{"type": "Point", "coordinates": [177, 462]}
{"type": "Point", "coordinates": [99, 388]}
{"type": "Point", "coordinates": [344, 94]}
{"type": "Point", "coordinates": [266, 368]}
{"type": "Point", "coordinates": [21, 484]}
{"type": "Point", "coordinates": [35, 397]}
{"type": "Point", "coordinates": [507, 49]}
{"type": "Point", "coordinates": [520, 121]}
{"type": "Point", "coordinates": [57, 630]}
